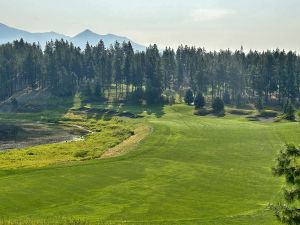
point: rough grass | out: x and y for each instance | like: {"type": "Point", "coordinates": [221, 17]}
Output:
{"type": "Point", "coordinates": [190, 170]}
{"type": "Point", "coordinates": [104, 135]}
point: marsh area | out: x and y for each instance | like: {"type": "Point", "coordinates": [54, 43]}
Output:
{"type": "Point", "coordinates": [24, 134]}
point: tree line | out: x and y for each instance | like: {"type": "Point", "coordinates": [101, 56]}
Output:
{"type": "Point", "coordinates": [152, 75]}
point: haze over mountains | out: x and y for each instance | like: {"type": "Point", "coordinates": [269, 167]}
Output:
{"type": "Point", "coordinates": [9, 34]}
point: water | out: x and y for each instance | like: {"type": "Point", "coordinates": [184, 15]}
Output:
{"type": "Point", "coordinates": [21, 135]}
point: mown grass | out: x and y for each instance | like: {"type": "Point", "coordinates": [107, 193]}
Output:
{"type": "Point", "coordinates": [190, 170]}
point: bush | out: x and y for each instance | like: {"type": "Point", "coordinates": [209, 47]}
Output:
{"type": "Point", "coordinates": [218, 106]}
{"type": "Point", "coordinates": [259, 104]}
{"type": "Point", "coordinates": [202, 112]}
{"type": "Point", "coordinates": [268, 114]}
{"type": "Point", "coordinates": [189, 97]}
{"type": "Point", "coordinates": [199, 101]}
{"type": "Point", "coordinates": [240, 112]}
{"type": "Point", "coordinates": [81, 154]}
{"type": "Point", "coordinates": [290, 112]}
{"type": "Point", "coordinates": [136, 96]}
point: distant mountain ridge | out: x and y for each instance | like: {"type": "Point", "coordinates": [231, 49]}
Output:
{"type": "Point", "coordinates": [10, 34]}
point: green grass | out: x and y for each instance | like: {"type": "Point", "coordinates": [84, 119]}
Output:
{"type": "Point", "coordinates": [190, 170]}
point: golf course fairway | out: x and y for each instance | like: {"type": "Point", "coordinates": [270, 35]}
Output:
{"type": "Point", "coordinates": [189, 170]}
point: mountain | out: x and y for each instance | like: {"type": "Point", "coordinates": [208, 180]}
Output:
{"type": "Point", "coordinates": [9, 34]}
{"type": "Point", "coordinates": [109, 39]}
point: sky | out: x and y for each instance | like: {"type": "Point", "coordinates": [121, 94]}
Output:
{"type": "Point", "coordinates": [213, 24]}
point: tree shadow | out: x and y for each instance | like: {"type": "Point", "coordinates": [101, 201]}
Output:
{"type": "Point", "coordinates": [108, 110]}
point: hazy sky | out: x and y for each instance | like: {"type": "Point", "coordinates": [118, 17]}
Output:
{"type": "Point", "coordinates": [213, 24]}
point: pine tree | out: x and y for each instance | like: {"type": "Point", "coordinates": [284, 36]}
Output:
{"type": "Point", "coordinates": [288, 210]}
{"type": "Point", "coordinates": [289, 111]}
{"type": "Point", "coordinates": [153, 75]}
{"type": "Point", "coordinates": [218, 105]}
{"type": "Point", "coordinates": [259, 104]}
{"type": "Point", "coordinates": [189, 97]}
{"type": "Point", "coordinates": [199, 101]}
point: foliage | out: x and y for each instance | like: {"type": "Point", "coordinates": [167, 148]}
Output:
{"type": "Point", "coordinates": [189, 97]}
{"type": "Point", "coordinates": [240, 112]}
{"type": "Point", "coordinates": [119, 71]}
{"type": "Point", "coordinates": [218, 106]}
{"type": "Point", "coordinates": [226, 98]}
{"type": "Point", "coordinates": [202, 112]}
{"type": "Point", "coordinates": [259, 104]}
{"type": "Point", "coordinates": [287, 166]}
{"type": "Point", "coordinates": [289, 111]}
{"type": "Point", "coordinates": [199, 101]}
{"type": "Point", "coordinates": [268, 113]}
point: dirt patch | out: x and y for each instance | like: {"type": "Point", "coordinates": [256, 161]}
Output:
{"type": "Point", "coordinates": [140, 134]}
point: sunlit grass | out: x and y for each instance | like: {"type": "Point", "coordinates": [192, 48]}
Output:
{"type": "Point", "coordinates": [190, 170]}
{"type": "Point", "coordinates": [104, 135]}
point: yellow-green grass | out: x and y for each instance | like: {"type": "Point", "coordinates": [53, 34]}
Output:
{"type": "Point", "coordinates": [190, 170]}
{"type": "Point", "coordinates": [104, 135]}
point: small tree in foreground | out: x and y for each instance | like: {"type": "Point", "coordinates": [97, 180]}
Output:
{"type": "Point", "coordinates": [288, 211]}
{"type": "Point", "coordinates": [199, 101]}
{"type": "Point", "coordinates": [189, 97]}
{"type": "Point", "coordinates": [218, 106]}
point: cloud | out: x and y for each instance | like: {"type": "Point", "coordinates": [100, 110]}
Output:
{"type": "Point", "coordinates": [202, 15]}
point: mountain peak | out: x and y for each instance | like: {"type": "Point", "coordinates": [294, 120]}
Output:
{"type": "Point", "coordinates": [86, 34]}
{"type": "Point", "coordinates": [9, 34]}
{"type": "Point", "coordinates": [87, 31]}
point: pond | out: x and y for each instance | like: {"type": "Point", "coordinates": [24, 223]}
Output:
{"type": "Point", "coordinates": [20, 135]}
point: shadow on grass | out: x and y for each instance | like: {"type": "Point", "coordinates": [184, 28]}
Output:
{"type": "Point", "coordinates": [108, 110]}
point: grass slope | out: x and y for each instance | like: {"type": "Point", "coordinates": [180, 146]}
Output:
{"type": "Point", "coordinates": [190, 170]}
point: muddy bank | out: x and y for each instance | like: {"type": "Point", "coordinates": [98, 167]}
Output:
{"type": "Point", "coordinates": [21, 135]}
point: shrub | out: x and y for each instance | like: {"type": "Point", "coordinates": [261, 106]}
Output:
{"type": "Point", "coordinates": [289, 111]}
{"type": "Point", "coordinates": [268, 114]}
{"type": "Point", "coordinates": [259, 104]}
{"type": "Point", "coordinates": [240, 112]}
{"type": "Point", "coordinates": [199, 101]}
{"type": "Point", "coordinates": [202, 112]}
{"type": "Point", "coordinates": [218, 106]}
{"type": "Point", "coordinates": [136, 96]}
{"type": "Point", "coordinates": [81, 154]}
{"type": "Point", "coordinates": [189, 97]}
